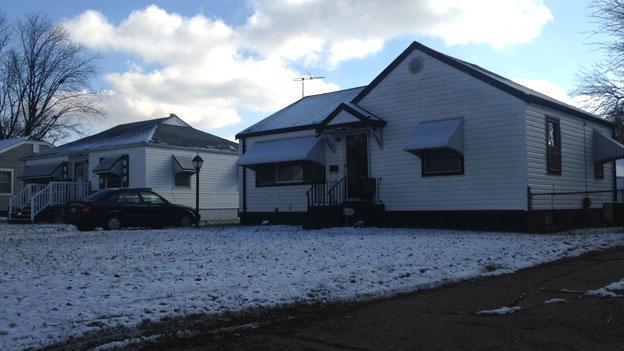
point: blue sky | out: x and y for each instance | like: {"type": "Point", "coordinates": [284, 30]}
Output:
{"type": "Point", "coordinates": [147, 73]}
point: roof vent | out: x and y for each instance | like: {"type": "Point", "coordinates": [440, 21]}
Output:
{"type": "Point", "coordinates": [416, 65]}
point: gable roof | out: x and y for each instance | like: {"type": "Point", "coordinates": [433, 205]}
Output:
{"type": "Point", "coordinates": [170, 131]}
{"type": "Point", "coordinates": [310, 111]}
{"type": "Point", "coordinates": [304, 113]}
{"type": "Point", "coordinates": [9, 143]}
{"type": "Point", "coordinates": [518, 90]}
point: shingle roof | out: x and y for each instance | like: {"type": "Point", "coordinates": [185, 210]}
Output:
{"type": "Point", "coordinates": [190, 137]}
{"type": "Point", "coordinates": [7, 143]}
{"type": "Point", "coordinates": [310, 110]}
{"type": "Point", "coordinates": [159, 131]}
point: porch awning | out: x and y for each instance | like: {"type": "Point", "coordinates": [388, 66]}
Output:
{"type": "Point", "coordinates": [50, 170]}
{"type": "Point", "coordinates": [295, 149]}
{"type": "Point", "coordinates": [109, 165]}
{"type": "Point", "coordinates": [606, 149]}
{"type": "Point", "coordinates": [441, 134]}
{"type": "Point", "coordinates": [182, 164]}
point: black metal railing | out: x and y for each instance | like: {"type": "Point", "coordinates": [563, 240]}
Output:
{"type": "Point", "coordinates": [571, 200]}
{"type": "Point", "coordinates": [327, 193]}
{"type": "Point", "coordinates": [339, 191]}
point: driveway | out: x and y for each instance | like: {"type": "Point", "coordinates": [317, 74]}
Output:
{"type": "Point", "coordinates": [448, 318]}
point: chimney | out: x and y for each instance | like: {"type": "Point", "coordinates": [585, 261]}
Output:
{"type": "Point", "coordinates": [173, 115]}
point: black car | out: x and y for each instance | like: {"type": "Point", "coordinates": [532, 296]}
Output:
{"type": "Point", "coordinates": [117, 208]}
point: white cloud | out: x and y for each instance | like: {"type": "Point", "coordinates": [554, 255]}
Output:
{"type": "Point", "coordinates": [209, 70]}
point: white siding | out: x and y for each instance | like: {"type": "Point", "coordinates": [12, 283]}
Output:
{"type": "Point", "coordinates": [577, 164]}
{"type": "Point", "coordinates": [495, 168]}
{"type": "Point", "coordinates": [218, 175]}
{"type": "Point", "coordinates": [136, 165]}
{"type": "Point", "coordinates": [286, 198]}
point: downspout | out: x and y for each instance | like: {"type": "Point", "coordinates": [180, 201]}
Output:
{"type": "Point", "coordinates": [585, 156]}
{"type": "Point", "coordinates": [244, 188]}
{"type": "Point", "coordinates": [614, 167]}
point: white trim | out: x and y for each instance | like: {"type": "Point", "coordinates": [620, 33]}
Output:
{"type": "Point", "coordinates": [12, 171]}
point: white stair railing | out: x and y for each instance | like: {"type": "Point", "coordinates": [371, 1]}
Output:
{"type": "Point", "coordinates": [21, 199]}
{"type": "Point", "coordinates": [57, 193]}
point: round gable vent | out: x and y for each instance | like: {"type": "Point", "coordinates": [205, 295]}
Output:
{"type": "Point", "coordinates": [416, 65]}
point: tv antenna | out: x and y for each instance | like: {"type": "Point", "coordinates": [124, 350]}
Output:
{"type": "Point", "coordinates": [302, 79]}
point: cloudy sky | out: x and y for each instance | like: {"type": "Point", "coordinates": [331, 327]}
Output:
{"type": "Point", "coordinates": [223, 65]}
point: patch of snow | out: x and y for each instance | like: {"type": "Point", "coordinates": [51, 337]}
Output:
{"type": "Point", "coordinates": [607, 291]}
{"type": "Point", "coordinates": [117, 345]}
{"type": "Point", "coordinates": [555, 300]}
{"type": "Point", "coordinates": [501, 311]}
{"type": "Point", "coordinates": [616, 286]}
{"type": "Point", "coordinates": [57, 282]}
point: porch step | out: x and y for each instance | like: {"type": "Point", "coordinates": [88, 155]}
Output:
{"type": "Point", "coordinates": [334, 216]}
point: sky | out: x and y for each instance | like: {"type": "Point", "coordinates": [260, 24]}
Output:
{"type": "Point", "coordinates": [223, 65]}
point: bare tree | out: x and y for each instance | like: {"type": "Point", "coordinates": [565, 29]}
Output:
{"type": "Point", "coordinates": [46, 82]}
{"type": "Point", "coordinates": [603, 84]}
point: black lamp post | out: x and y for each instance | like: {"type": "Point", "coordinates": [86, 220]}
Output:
{"type": "Point", "coordinates": [197, 164]}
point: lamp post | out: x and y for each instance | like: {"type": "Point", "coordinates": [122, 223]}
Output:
{"type": "Point", "coordinates": [197, 164]}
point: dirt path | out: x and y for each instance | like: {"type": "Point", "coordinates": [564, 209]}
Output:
{"type": "Point", "coordinates": [447, 318]}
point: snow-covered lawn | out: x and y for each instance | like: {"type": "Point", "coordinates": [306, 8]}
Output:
{"type": "Point", "coordinates": [56, 282]}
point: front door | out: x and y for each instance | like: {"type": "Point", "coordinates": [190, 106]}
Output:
{"type": "Point", "coordinates": [357, 164]}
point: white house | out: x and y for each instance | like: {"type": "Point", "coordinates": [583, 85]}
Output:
{"type": "Point", "coordinates": [155, 154]}
{"type": "Point", "coordinates": [431, 141]}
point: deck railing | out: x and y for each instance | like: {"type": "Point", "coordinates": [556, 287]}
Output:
{"type": "Point", "coordinates": [57, 193]}
{"type": "Point", "coordinates": [21, 199]}
{"type": "Point", "coordinates": [338, 192]}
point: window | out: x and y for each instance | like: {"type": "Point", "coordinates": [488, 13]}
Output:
{"type": "Point", "coordinates": [128, 199]}
{"type": "Point", "coordinates": [289, 173]}
{"type": "Point", "coordinates": [553, 146]}
{"type": "Point", "coordinates": [152, 199]}
{"type": "Point", "coordinates": [286, 173]}
{"type": "Point", "coordinates": [6, 181]}
{"type": "Point", "coordinates": [35, 148]}
{"type": "Point", "coordinates": [599, 170]}
{"type": "Point", "coordinates": [437, 162]}
{"type": "Point", "coordinates": [111, 181]}
{"type": "Point", "coordinates": [182, 179]}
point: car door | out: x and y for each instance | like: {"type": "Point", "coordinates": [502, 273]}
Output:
{"type": "Point", "coordinates": [157, 209]}
{"type": "Point", "coordinates": [129, 205]}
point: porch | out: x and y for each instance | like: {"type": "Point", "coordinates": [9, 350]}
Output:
{"type": "Point", "coordinates": [345, 202]}
{"type": "Point", "coordinates": [37, 202]}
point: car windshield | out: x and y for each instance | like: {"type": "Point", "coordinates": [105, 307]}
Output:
{"type": "Point", "coordinates": [98, 195]}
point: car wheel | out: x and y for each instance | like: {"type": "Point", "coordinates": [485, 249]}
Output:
{"type": "Point", "coordinates": [186, 221]}
{"type": "Point", "coordinates": [112, 223]}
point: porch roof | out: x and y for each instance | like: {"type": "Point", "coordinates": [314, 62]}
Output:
{"type": "Point", "coordinates": [440, 134]}
{"type": "Point", "coordinates": [307, 148]}
{"type": "Point", "coordinates": [49, 170]}
{"type": "Point", "coordinates": [109, 165]}
{"type": "Point", "coordinates": [606, 149]}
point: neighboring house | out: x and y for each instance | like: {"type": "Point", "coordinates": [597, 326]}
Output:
{"type": "Point", "coordinates": [11, 153]}
{"type": "Point", "coordinates": [156, 154]}
{"type": "Point", "coordinates": [431, 141]}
